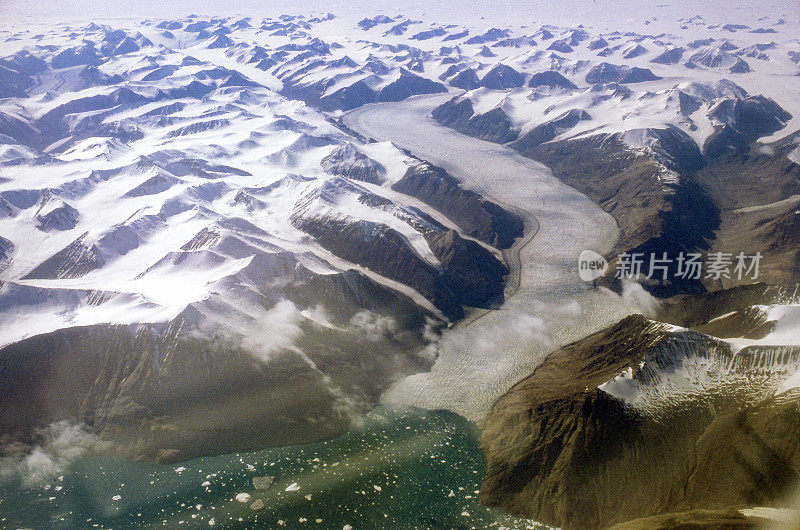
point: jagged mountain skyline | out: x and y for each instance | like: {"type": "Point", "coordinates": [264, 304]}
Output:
{"type": "Point", "coordinates": [591, 13]}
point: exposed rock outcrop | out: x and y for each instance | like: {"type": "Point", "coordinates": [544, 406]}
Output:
{"type": "Point", "coordinates": [549, 130]}
{"type": "Point", "coordinates": [654, 215]}
{"type": "Point", "coordinates": [6, 249]}
{"type": "Point", "coordinates": [757, 190]}
{"type": "Point", "coordinates": [671, 56]}
{"type": "Point", "coordinates": [492, 126]}
{"type": "Point", "coordinates": [407, 85]}
{"type": "Point", "coordinates": [730, 519]}
{"type": "Point", "coordinates": [502, 77]}
{"type": "Point", "coordinates": [574, 445]}
{"type": "Point", "coordinates": [611, 73]}
{"type": "Point", "coordinates": [160, 392]}
{"type": "Point", "coordinates": [348, 161]}
{"type": "Point", "coordinates": [469, 274]}
{"type": "Point", "coordinates": [550, 78]}
{"type": "Point", "coordinates": [742, 122]}
{"type": "Point", "coordinates": [466, 79]}
{"type": "Point", "coordinates": [478, 217]}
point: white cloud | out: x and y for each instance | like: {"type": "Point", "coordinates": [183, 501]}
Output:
{"type": "Point", "coordinates": [490, 339]}
{"type": "Point", "coordinates": [59, 444]}
{"type": "Point", "coordinates": [373, 326]}
{"type": "Point", "coordinates": [634, 295]}
{"type": "Point", "coordinates": [319, 315]}
{"type": "Point", "coordinates": [276, 330]}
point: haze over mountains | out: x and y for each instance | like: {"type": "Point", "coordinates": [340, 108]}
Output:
{"type": "Point", "coordinates": [220, 233]}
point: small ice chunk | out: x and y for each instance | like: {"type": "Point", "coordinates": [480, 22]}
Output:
{"type": "Point", "coordinates": [377, 488]}
{"type": "Point", "coordinates": [294, 486]}
{"type": "Point", "coordinates": [212, 522]}
{"type": "Point", "coordinates": [116, 497]}
{"type": "Point", "coordinates": [243, 497]}
{"type": "Point", "coordinates": [258, 505]}
{"type": "Point", "coordinates": [263, 483]}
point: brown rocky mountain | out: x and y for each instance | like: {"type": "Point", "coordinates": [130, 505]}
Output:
{"type": "Point", "coordinates": [757, 191]}
{"type": "Point", "coordinates": [695, 519]}
{"type": "Point", "coordinates": [161, 393]}
{"type": "Point", "coordinates": [706, 429]}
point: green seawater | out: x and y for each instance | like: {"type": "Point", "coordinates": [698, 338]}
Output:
{"type": "Point", "coordinates": [395, 470]}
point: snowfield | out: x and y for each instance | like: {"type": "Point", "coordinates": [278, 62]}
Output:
{"type": "Point", "coordinates": [171, 206]}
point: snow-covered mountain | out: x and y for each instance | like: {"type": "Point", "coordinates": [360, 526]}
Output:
{"type": "Point", "coordinates": [182, 206]}
{"type": "Point", "coordinates": [171, 197]}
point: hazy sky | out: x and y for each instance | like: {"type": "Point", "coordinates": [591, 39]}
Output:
{"type": "Point", "coordinates": [594, 12]}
